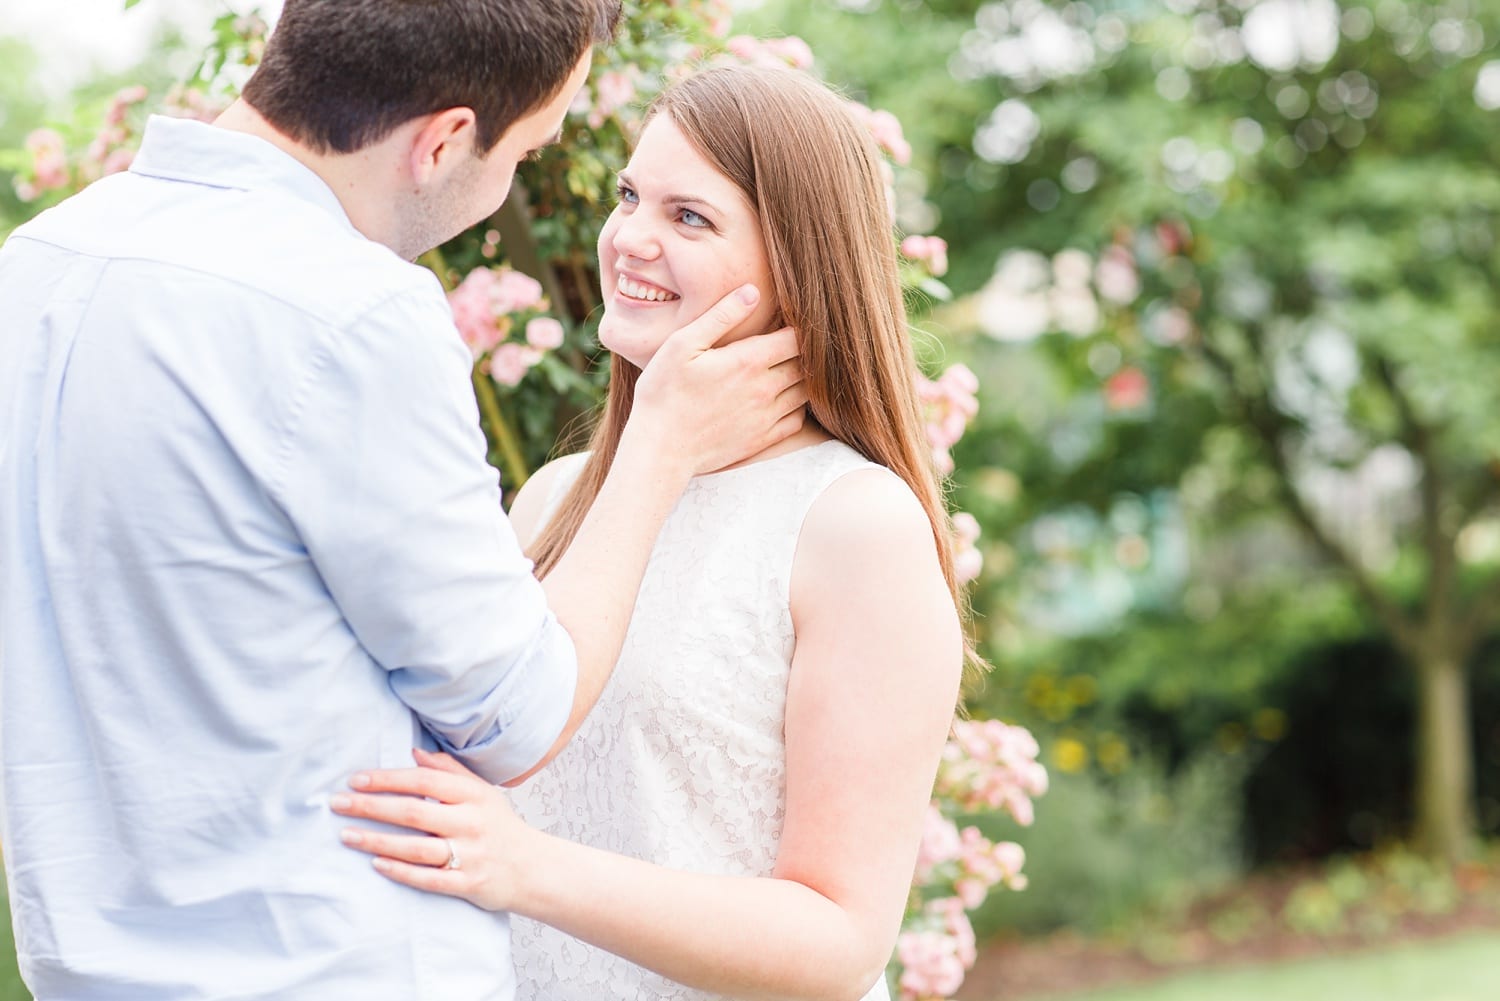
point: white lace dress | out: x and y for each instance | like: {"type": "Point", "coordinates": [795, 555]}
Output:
{"type": "Point", "coordinates": [683, 760]}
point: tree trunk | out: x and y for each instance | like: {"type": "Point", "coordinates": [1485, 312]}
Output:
{"type": "Point", "coordinates": [1445, 769]}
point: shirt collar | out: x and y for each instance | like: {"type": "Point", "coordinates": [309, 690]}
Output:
{"type": "Point", "coordinates": [181, 149]}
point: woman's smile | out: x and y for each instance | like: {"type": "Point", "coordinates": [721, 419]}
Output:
{"type": "Point", "coordinates": [637, 291]}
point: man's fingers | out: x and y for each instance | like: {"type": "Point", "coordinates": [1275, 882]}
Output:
{"type": "Point", "coordinates": [791, 400]}
{"type": "Point", "coordinates": [788, 374]}
{"type": "Point", "coordinates": [787, 426]}
{"type": "Point", "coordinates": [721, 318]}
{"type": "Point", "coordinates": [778, 346]}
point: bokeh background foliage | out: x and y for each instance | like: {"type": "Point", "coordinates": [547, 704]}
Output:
{"type": "Point", "coordinates": [1227, 276]}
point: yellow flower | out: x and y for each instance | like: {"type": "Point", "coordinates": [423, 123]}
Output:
{"type": "Point", "coordinates": [1070, 755]}
{"type": "Point", "coordinates": [1269, 724]}
{"type": "Point", "coordinates": [1113, 754]}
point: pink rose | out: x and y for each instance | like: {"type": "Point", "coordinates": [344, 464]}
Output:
{"type": "Point", "coordinates": [615, 90]}
{"type": "Point", "coordinates": [510, 362]}
{"type": "Point", "coordinates": [791, 49]}
{"type": "Point", "coordinates": [49, 160]}
{"type": "Point", "coordinates": [931, 965]}
{"type": "Point", "coordinates": [119, 160]}
{"type": "Point", "coordinates": [513, 291]}
{"type": "Point", "coordinates": [544, 333]}
{"type": "Point", "coordinates": [961, 383]}
{"type": "Point", "coordinates": [744, 47]}
{"type": "Point", "coordinates": [473, 312]}
{"type": "Point", "coordinates": [968, 564]}
{"type": "Point", "coordinates": [990, 765]}
{"type": "Point", "coordinates": [121, 102]}
{"type": "Point", "coordinates": [1127, 389]}
{"type": "Point", "coordinates": [886, 128]}
{"type": "Point", "coordinates": [950, 910]}
{"type": "Point", "coordinates": [940, 843]}
{"type": "Point", "coordinates": [929, 250]}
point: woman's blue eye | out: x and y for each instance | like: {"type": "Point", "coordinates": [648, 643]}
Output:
{"type": "Point", "coordinates": [691, 218]}
{"type": "Point", "coordinates": [626, 194]}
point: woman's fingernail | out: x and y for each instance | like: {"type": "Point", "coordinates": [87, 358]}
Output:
{"type": "Point", "coordinates": [384, 865]}
{"type": "Point", "coordinates": [749, 294]}
{"type": "Point", "coordinates": [340, 801]}
{"type": "Point", "coordinates": [351, 837]}
{"type": "Point", "coordinates": [360, 781]}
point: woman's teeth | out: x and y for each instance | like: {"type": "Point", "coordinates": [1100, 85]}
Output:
{"type": "Point", "coordinates": [635, 290]}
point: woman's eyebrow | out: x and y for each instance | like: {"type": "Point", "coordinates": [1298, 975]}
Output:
{"type": "Point", "coordinates": [672, 199]}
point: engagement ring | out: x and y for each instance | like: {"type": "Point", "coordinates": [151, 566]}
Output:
{"type": "Point", "coordinates": [453, 862]}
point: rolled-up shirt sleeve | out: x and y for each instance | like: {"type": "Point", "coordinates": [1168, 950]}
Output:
{"type": "Point", "coordinates": [385, 480]}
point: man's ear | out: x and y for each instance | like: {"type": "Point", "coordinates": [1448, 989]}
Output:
{"type": "Point", "coordinates": [442, 141]}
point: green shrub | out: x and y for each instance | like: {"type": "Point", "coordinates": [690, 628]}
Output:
{"type": "Point", "coordinates": [1105, 849]}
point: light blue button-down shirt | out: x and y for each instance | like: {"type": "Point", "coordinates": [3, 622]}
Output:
{"type": "Point", "coordinates": [248, 545]}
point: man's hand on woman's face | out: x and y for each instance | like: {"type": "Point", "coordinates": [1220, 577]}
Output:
{"type": "Point", "coordinates": [714, 406]}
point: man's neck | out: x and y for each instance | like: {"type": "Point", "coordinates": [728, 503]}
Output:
{"type": "Point", "coordinates": [348, 176]}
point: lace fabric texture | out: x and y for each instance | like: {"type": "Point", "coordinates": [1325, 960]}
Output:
{"type": "Point", "coordinates": [682, 762]}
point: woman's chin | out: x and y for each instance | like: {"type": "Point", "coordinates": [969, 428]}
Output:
{"type": "Point", "coordinates": [621, 344]}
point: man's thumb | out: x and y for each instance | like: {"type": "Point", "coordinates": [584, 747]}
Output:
{"type": "Point", "coordinates": [722, 317]}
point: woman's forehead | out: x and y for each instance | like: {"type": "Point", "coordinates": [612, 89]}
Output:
{"type": "Point", "coordinates": [666, 164]}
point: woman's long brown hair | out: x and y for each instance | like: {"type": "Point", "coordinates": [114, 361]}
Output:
{"type": "Point", "coordinates": [813, 175]}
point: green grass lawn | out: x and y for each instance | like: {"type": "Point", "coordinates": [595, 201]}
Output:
{"type": "Point", "coordinates": [11, 988]}
{"type": "Point", "coordinates": [1466, 968]}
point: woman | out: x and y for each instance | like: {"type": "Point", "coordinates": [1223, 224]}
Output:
{"type": "Point", "coordinates": [741, 812]}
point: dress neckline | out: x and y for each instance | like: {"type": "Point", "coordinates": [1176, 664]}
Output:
{"type": "Point", "coordinates": [762, 463]}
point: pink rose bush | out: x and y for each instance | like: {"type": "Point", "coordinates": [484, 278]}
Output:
{"type": "Point", "coordinates": [614, 93]}
{"type": "Point", "coordinates": [788, 51]}
{"type": "Point", "coordinates": [968, 561]}
{"type": "Point", "coordinates": [931, 967]}
{"type": "Point", "coordinates": [110, 151]}
{"type": "Point", "coordinates": [951, 402]}
{"type": "Point", "coordinates": [492, 304]}
{"type": "Point", "coordinates": [987, 766]}
{"type": "Point", "coordinates": [48, 169]}
{"type": "Point", "coordinates": [886, 128]}
{"type": "Point", "coordinates": [929, 251]}
{"type": "Point", "coordinates": [990, 766]}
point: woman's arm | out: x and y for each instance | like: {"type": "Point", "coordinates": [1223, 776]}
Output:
{"type": "Point", "coordinates": [873, 684]}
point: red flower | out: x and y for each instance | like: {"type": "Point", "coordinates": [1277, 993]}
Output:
{"type": "Point", "coordinates": [1127, 389]}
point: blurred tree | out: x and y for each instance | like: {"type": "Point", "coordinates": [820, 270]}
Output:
{"type": "Point", "coordinates": [1245, 254]}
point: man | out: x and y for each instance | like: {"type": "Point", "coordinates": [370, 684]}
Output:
{"type": "Point", "coordinates": [248, 540]}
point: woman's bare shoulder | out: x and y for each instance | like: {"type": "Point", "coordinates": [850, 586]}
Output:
{"type": "Point", "coordinates": [531, 508]}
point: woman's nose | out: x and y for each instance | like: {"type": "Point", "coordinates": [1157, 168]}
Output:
{"type": "Point", "coordinates": [636, 236]}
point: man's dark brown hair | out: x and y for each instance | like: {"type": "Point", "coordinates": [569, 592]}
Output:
{"type": "Point", "coordinates": [339, 75]}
